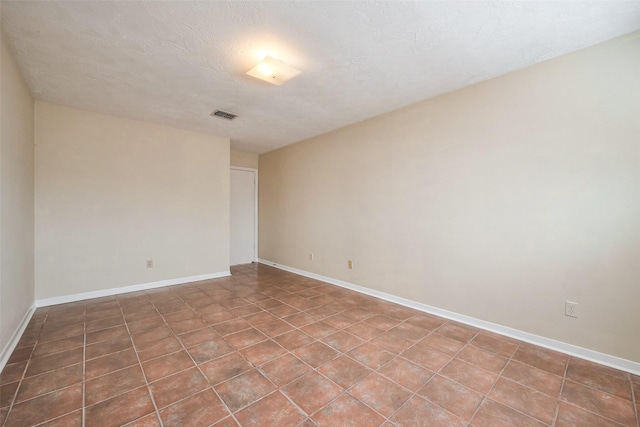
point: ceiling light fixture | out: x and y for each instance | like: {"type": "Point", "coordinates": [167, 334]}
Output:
{"type": "Point", "coordinates": [273, 70]}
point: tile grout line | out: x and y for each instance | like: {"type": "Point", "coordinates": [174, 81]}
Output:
{"type": "Point", "coordinates": [486, 395]}
{"type": "Point", "coordinates": [375, 371]}
{"type": "Point", "coordinates": [499, 375]}
{"type": "Point", "coordinates": [589, 410]}
{"type": "Point", "coordinates": [290, 352]}
{"type": "Point", "coordinates": [135, 350]}
{"type": "Point", "coordinates": [184, 348]}
{"type": "Point", "coordinates": [341, 353]}
{"type": "Point", "coordinates": [289, 290]}
{"type": "Point", "coordinates": [558, 399]}
{"type": "Point", "coordinates": [395, 356]}
{"type": "Point", "coordinates": [434, 374]}
{"type": "Point", "coordinates": [634, 400]}
{"type": "Point", "coordinates": [564, 379]}
{"type": "Point", "coordinates": [365, 341]}
{"type": "Point", "coordinates": [295, 327]}
{"type": "Point", "coordinates": [23, 375]}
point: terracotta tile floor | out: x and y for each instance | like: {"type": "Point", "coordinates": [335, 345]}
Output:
{"type": "Point", "coordinates": [269, 348]}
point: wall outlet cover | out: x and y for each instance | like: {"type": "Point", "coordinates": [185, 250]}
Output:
{"type": "Point", "coordinates": [571, 309]}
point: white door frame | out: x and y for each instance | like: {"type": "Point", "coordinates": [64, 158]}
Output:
{"type": "Point", "coordinates": [255, 190]}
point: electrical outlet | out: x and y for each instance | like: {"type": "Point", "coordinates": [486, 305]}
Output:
{"type": "Point", "coordinates": [310, 256]}
{"type": "Point", "coordinates": [149, 263]}
{"type": "Point", "coordinates": [571, 309]}
{"type": "Point", "coordinates": [350, 264]}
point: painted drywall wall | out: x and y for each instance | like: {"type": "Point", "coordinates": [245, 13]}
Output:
{"type": "Point", "coordinates": [16, 197]}
{"type": "Point", "coordinates": [499, 201]}
{"type": "Point", "coordinates": [112, 193]}
{"type": "Point", "coordinates": [244, 159]}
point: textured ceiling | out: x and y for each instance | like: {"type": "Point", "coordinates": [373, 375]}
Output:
{"type": "Point", "coordinates": [175, 62]}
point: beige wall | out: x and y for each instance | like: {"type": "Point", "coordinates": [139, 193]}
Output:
{"type": "Point", "coordinates": [499, 201]}
{"type": "Point", "coordinates": [112, 193]}
{"type": "Point", "coordinates": [244, 159]}
{"type": "Point", "coordinates": [16, 197]}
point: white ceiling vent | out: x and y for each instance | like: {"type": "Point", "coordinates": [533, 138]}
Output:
{"type": "Point", "coordinates": [224, 114]}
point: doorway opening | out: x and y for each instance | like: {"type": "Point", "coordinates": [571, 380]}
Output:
{"type": "Point", "coordinates": [243, 215]}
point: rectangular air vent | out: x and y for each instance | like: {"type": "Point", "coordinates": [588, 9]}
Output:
{"type": "Point", "coordinates": [224, 114]}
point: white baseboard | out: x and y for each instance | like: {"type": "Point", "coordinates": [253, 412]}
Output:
{"type": "Point", "coordinates": [570, 349]}
{"type": "Point", "coordinates": [125, 289]}
{"type": "Point", "coordinates": [15, 338]}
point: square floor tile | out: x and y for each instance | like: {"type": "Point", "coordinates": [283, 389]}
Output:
{"type": "Point", "coordinates": [231, 326]}
{"type": "Point", "coordinates": [209, 350]}
{"type": "Point", "coordinates": [532, 377]}
{"type": "Point", "coordinates": [316, 354]}
{"type": "Point", "coordinates": [166, 365]}
{"type": "Point", "coordinates": [609, 406]}
{"type": "Point", "coordinates": [244, 389]}
{"type": "Point", "coordinates": [482, 358]}
{"type": "Point", "coordinates": [225, 367]}
{"type": "Point", "coordinates": [364, 330]}
{"type": "Point", "coordinates": [293, 339]}
{"type": "Point", "coordinates": [380, 394]}
{"type": "Point", "coordinates": [572, 416]}
{"type": "Point", "coordinates": [409, 332]}
{"type": "Point", "coordinates": [284, 369]}
{"type": "Point", "coordinates": [275, 328]}
{"type": "Point", "coordinates": [273, 410]}
{"type": "Point", "coordinates": [65, 344]}
{"type": "Point", "coordinates": [121, 409]}
{"type": "Point", "coordinates": [426, 322]}
{"type": "Point", "coordinates": [201, 409]}
{"type": "Point", "coordinates": [178, 386]}
{"type": "Point", "coordinates": [382, 322]}
{"type": "Point", "coordinates": [52, 380]}
{"type": "Point", "coordinates": [312, 391]}
{"type": "Point", "coordinates": [245, 338]}
{"type": "Point", "coordinates": [109, 385]}
{"type": "Point", "coordinates": [442, 343]}
{"type": "Point", "coordinates": [392, 343]}
{"type": "Point", "coordinates": [371, 356]}
{"type": "Point", "coordinates": [107, 347]}
{"type": "Point", "coordinates": [344, 371]}
{"type": "Point", "coordinates": [155, 349]}
{"type": "Point", "coordinates": [261, 353]}
{"type": "Point", "coordinates": [415, 411]}
{"type": "Point", "coordinates": [473, 377]}
{"type": "Point", "coordinates": [503, 348]}
{"type": "Point", "coordinates": [13, 372]}
{"type": "Point", "coordinates": [45, 407]}
{"type": "Point", "coordinates": [406, 374]}
{"type": "Point", "coordinates": [340, 412]}
{"type": "Point", "coordinates": [103, 335]}
{"type": "Point", "coordinates": [427, 357]}
{"type": "Point", "coordinates": [452, 396]}
{"type": "Point", "coordinates": [540, 358]}
{"type": "Point", "coordinates": [299, 319]}
{"type": "Point", "coordinates": [593, 377]}
{"type": "Point", "coordinates": [342, 341]}
{"type": "Point", "coordinates": [531, 402]}
{"type": "Point", "coordinates": [458, 333]}
{"type": "Point", "coordinates": [319, 329]}
{"type": "Point", "coordinates": [112, 362]}
{"type": "Point", "coordinates": [51, 362]}
{"type": "Point", "coordinates": [493, 414]}
{"type": "Point", "coordinates": [198, 336]}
